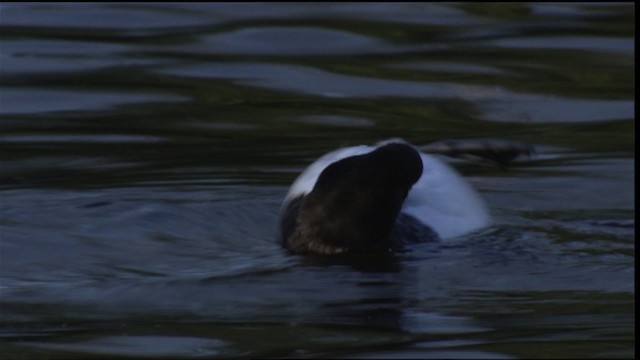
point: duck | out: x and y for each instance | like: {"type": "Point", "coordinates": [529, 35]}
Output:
{"type": "Point", "coordinates": [381, 197]}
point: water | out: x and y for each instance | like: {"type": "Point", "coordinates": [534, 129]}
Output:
{"type": "Point", "coordinates": [146, 149]}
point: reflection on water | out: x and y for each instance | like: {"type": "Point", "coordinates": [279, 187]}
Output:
{"type": "Point", "coordinates": [147, 147]}
{"type": "Point", "coordinates": [46, 101]}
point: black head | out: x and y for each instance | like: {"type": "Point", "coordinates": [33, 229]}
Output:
{"type": "Point", "coordinates": [355, 202]}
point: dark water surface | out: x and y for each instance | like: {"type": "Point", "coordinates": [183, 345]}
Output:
{"type": "Point", "coordinates": [146, 149]}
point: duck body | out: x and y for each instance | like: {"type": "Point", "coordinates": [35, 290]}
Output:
{"type": "Point", "coordinates": [375, 198]}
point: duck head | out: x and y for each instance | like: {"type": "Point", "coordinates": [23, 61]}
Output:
{"type": "Point", "coordinates": [354, 203]}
